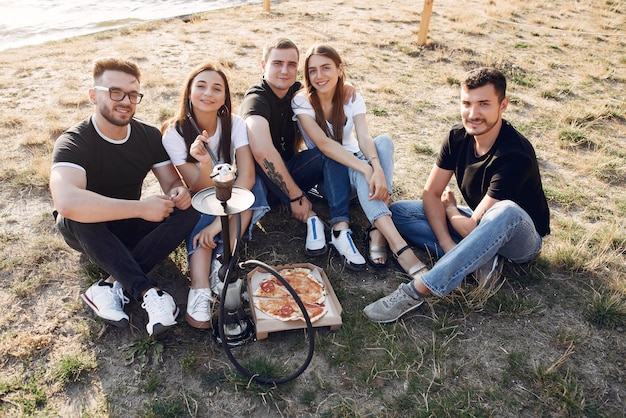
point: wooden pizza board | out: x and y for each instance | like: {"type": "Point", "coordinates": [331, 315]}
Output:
{"type": "Point", "coordinates": [265, 324]}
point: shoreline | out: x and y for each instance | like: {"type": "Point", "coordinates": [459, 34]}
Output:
{"type": "Point", "coordinates": [33, 36]}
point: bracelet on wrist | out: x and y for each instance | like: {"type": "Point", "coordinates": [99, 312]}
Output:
{"type": "Point", "coordinates": [371, 159]}
{"type": "Point", "coordinates": [297, 199]}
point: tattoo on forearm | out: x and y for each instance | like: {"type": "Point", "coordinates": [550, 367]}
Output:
{"type": "Point", "coordinates": [275, 176]}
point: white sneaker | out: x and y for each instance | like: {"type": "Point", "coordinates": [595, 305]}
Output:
{"type": "Point", "coordinates": [315, 238]}
{"type": "Point", "coordinates": [199, 305]}
{"type": "Point", "coordinates": [162, 311]}
{"type": "Point", "coordinates": [347, 250]}
{"type": "Point", "coordinates": [107, 301]}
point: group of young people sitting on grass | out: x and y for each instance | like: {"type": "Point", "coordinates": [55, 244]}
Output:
{"type": "Point", "coordinates": [288, 138]}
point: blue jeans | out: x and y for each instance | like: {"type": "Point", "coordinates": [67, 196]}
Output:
{"type": "Point", "coordinates": [505, 230]}
{"type": "Point", "coordinates": [374, 209]}
{"type": "Point", "coordinates": [259, 208]}
{"type": "Point", "coordinates": [410, 220]}
{"type": "Point", "coordinates": [309, 168]}
{"type": "Point", "coordinates": [128, 249]}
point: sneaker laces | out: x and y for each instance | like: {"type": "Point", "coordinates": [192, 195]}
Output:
{"type": "Point", "coordinates": [119, 297]}
{"type": "Point", "coordinates": [398, 296]}
{"type": "Point", "coordinates": [348, 239]}
{"type": "Point", "coordinates": [152, 305]}
{"type": "Point", "coordinates": [202, 300]}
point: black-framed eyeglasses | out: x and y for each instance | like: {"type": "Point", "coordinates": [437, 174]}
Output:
{"type": "Point", "coordinates": [118, 95]}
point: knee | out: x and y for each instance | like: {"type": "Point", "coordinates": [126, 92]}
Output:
{"type": "Point", "coordinates": [395, 207]}
{"type": "Point", "coordinates": [405, 209]}
{"type": "Point", "coordinates": [188, 216]}
{"type": "Point", "coordinates": [69, 230]}
{"type": "Point", "coordinates": [505, 208]}
{"type": "Point", "coordinates": [384, 142]}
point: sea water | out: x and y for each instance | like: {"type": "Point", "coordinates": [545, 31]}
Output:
{"type": "Point", "coordinates": [29, 22]}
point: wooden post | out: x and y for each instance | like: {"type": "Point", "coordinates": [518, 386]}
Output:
{"type": "Point", "coordinates": [266, 6]}
{"type": "Point", "coordinates": [422, 35]}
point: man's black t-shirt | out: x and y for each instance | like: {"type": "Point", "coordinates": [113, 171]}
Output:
{"type": "Point", "coordinates": [114, 169]}
{"type": "Point", "coordinates": [260, 100]}
{"type": "Point", "coordinates": [509, 171]}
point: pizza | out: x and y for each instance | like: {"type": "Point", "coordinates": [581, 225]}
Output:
{"type": "Point", "coordinates": [286, 309]}
{"type": "Point", "coordinates": [271, 288]}
{"type": "Point", "coordinates": [272, 297]}
{"type": "Point", "coordinates": [302, 280]}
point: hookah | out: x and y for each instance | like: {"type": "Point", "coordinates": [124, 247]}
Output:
{"type": "Point", "coordinates": [234, 326]}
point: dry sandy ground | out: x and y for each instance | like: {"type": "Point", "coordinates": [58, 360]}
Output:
{"type": "Point", "coordinates": [411, 94]}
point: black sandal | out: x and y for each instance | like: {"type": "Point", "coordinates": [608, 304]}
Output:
{"type": "Point", "coordinates": [375, 252]}
{"type": "Point", "coordinates": [414, 272]}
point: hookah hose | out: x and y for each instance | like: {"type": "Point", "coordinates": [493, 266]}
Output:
{"type": "Point", "coordinates": [222, 315]}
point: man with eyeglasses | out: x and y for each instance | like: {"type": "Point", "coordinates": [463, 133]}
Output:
{"type": "Point", "coordinates": [98, 170]}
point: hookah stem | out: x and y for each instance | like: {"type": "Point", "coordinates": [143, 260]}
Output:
{"type": "Point", "coordinates": [229, 262]}
{"type": "Point", "coordinates": [226, 238]}
{"type": "Point", "coordinates": [199, 132]}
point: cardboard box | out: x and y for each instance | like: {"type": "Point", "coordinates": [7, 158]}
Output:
{"type": "Point", "coordinates": [265, 324]}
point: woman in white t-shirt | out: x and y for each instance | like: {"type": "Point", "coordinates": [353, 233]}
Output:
{"type": "Point", "coordinates": [319, 108]}
{"type": "Point", "coordinates": [205, 107]}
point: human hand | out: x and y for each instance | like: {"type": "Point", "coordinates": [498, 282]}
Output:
{"type": "Point", "coordinates": [206, 237]}
{"type": "Point", "coordinates": [378, 186]}
{"type": "Point", "coordinates": [447, 198]}
{"type": "Point", "coordinates": [181, 197]}
{"type": "Point", "coordinates": [349, 92]}
{"type": "Point", "coordinates": [301, 208]}
{"type": "Point", "coordinates": [156, 208]}
{"type": "Point", "coordinates": [198, 148]}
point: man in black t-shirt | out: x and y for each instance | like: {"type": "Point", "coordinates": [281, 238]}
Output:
{"type": "Point", "coordinates": [497, 173]}
{"type": "Point", "coordinates": [97, 174]}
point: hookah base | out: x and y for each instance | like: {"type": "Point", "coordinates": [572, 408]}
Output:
{"type": "Point", "coordinates": [238, 329]}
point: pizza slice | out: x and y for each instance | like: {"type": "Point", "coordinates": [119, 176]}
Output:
{"type": "Point", "coordinates": [308, 288]}
{"type": "Point", "coordinates": [286, 309]}
{"type": "Point", "coordinates": [280, 308]}
{"type": "Point", "coordinates": [271, 288]}
{"type": "Point", "coordinates": [315, 311]}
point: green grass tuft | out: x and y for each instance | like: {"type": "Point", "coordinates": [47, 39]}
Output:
{"type": "Point", "coordinates": [607, 310]}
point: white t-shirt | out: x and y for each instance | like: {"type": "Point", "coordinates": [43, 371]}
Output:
{"type": "Point", "coordinates": [175, 145]}
{"type": "Point", "coordinates": [301, 106]}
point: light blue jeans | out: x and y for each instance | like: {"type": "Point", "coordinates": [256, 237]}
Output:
{"type": "Point", "coordinates": [374, 209]}
{"type": "Point", "coordinates": [505, 229]}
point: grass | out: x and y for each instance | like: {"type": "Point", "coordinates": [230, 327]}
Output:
{"type": "Point", "coordinates": [548, 342]}
{"type": "Point", "coordinates": [170, 407]}
{"type": "Point", "coordinates": [73, 368]}
{"type": "Point", "coordinates": [29, 397]}
{"type": "Point", "coordinates": [145, 351]}
{"type": "Point", "coordinates": [607, 310]}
